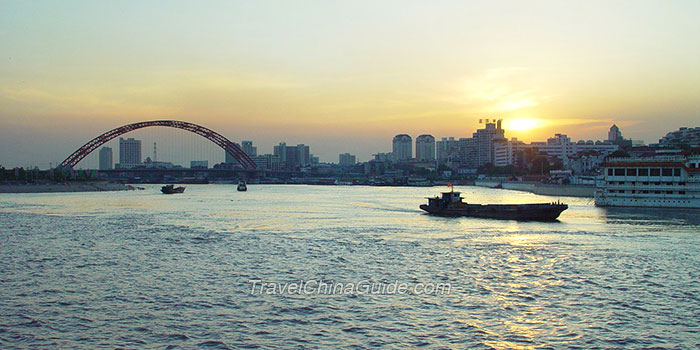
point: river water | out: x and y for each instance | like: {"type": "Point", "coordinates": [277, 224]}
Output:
{"type": "Point", "coordinates": [216, 268]}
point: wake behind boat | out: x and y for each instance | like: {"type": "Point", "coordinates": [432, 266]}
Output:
{"type": "Point", "coordinates": [451, 204]}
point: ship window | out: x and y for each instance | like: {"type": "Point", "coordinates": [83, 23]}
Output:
{"type": "Point", "coordinates": [657, 183]}
{"type": "Point", "coordinates": [677, 172]}
{"type": "Point", "coordinates": [643, 172]}
{"type": "Point", "coordinates": [667, 172]}
{"type": "Point", "coordinates": [645, 183]}
{"type": "Point", "coordinates": [657, 192]}
{"type": "Point", "coordinates": [682, 183]}
{"type": "Point", "coordinates": [631, 172]}
{"type": "Point", "coordinates": [681, 192]}
{"type": "Point", "coordinates": [668, 183]}
{"type": "Point", "coordinates": [654, 172]}
{"type": "Point", "coordinates": [610, 172]}
{"type": "Point", "coordinates": [669, 192]}
{"type": "Point", "coordinates": [619, 172]}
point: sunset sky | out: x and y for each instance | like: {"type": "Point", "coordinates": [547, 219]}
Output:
{"type": "Point", "coordinates": [343, 76]}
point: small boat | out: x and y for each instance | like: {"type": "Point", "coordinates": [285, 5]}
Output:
{"type": "Point", "coordinates": [171, 189]}
{"type": "Point", "coordinates": [241, 186]}
{"type": "Point", "coordinates": [451, 204]}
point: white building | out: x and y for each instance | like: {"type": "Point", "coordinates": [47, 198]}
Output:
{"type": "Point", "coordinates": [106, 161]}
{"type": "Point", "coordinates": [687, 136]}
{"type": "Point", "coordinates": [560, 146]}
{"type": "Point", "coordinates": [502, 152]}
{"type": "Point", "coordinates": [425, 147]}
{"type": "Point", "coordinates": [402, 147]}
{"type": "Point", "coordinates": [129, 152]}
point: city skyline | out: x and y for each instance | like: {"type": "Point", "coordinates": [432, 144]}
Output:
{"type": "Point", "coordinates": [265, 72]}
{"type": "Point", "coordinates": [408, 151]}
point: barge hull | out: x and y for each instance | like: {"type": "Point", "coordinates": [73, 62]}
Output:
{"type": "Point", "coordinates": [521, 212]}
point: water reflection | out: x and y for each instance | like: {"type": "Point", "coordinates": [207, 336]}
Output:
{"type": "Point", "coordinates": [652, 216]}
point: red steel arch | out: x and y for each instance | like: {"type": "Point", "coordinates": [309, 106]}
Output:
{"type": "Point", "coordinates": [230, 147]}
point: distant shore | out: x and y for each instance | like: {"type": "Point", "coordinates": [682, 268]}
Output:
{"type": "Point", "coordinates": [540, 188]}
{"type": "Point", "coordinates": [64, 187]}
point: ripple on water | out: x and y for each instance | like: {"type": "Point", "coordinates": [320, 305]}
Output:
{"type": "Point", "coordinates": [115, 270]}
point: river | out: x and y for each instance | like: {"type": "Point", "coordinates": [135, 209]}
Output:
{"type": "Point", "coordinates": [216, 268]}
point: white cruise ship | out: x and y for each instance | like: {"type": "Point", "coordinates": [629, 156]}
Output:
{"type": "Point", "coordinates": [662, 181]}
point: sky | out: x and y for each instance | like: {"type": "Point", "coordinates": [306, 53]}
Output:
{"type": "Point", "coordinates": [344, 76]}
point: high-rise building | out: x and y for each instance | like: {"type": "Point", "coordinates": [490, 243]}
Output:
{"type": "Point", "coordinates": [303, 155]}
{"type": "Point", "coordinates": [478, 150]}
{"type": "Point", "coordinates": [402, 147]}
{"type": "Point", "coordinates": [267, 162]}
{"type": "Point", "coordinates": [129, 152]}
{"type": "Point", "coordinates": [614, 134]}
{"type": "Point", "coordinates": [502, 151]}
{"type": "Point", "coordinates": [468, 153]}
{"type": "Point", "coordinates": [346, 159]}
{"type": "Point", "coordinates": [425, 147]}
{"type": "Point", "coordinates": [484, 142]}
{"type": "Point", "coordinates": [446, 150]}
{"type": "Point", "coordinates": [106, 161]}
{"type": "Point", "coordinates": [292, 157]}
{"type": "Point", "coordinates": [249, 149]}
{"type": "Point", "coordinates": [281, 151]}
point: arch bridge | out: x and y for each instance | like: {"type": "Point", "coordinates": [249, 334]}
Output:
{"type": "Point", "coordinates": [227, 145]}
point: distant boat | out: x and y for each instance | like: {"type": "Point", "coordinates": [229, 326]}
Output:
{"type": "Point", "coordinates": [450, 204]}
{"type": "Point", "coordinates": [241, 186]}
{"type": "Point", "coordinates": [171, 189]}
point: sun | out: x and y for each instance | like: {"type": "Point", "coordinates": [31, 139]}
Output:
{"type": "Point", "coordinates": [521, 124]}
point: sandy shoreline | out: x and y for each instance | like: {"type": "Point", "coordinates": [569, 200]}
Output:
{"type": "Point", "coordinates": [65, 187]}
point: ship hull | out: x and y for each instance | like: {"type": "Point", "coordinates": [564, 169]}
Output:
{"type": "Point", "coordinates": [520, 212]}
{"type": "Point", "coordinates": [171, 190]}
{"type": "Point", "coordinates": [647, 202]}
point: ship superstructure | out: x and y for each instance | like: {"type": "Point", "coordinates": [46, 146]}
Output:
{"type": "Point", "coordinates": [661, 181]}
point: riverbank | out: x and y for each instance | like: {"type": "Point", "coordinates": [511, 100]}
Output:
{"type": "Point", "coordinates": [540, 188]}
{"type": "Point", "coordinates": [64, 187]}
